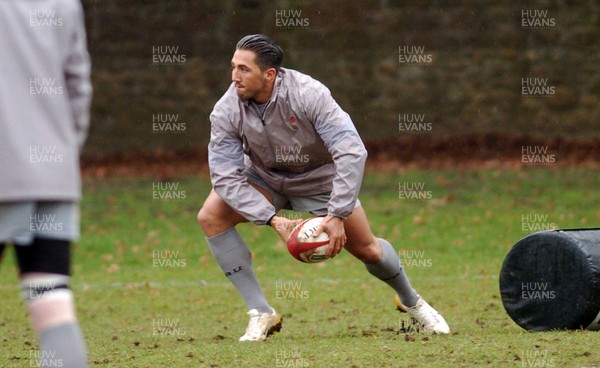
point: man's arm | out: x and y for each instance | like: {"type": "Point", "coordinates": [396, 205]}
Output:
{"type": "Point", "coordinates": [337, 131]}
{"type": "Point", "coordinates": [226, 162]}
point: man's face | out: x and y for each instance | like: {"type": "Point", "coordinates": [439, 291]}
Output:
{"type": "Point", "coordinates": [250, 82]}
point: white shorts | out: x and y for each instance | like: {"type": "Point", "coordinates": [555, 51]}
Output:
{"type": "Point", "coordinates": [22, 221]}
{"type": "Point", "coordinates": [315, 204]}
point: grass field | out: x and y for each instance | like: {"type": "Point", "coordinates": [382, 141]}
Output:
{"type": "Point", "coordinates": [149, 293]}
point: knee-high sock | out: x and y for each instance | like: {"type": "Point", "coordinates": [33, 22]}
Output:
{"type": "Point", "coordinates": [390, 271]}
{"type": "Point", "coordinates": [234, 258]}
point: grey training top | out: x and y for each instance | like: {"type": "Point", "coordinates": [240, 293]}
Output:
{"type": "Point", "coordinates": [305, 144]}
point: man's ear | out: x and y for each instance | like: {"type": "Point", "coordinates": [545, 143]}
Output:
{"type": "Point", "coordinates": [270, 73]}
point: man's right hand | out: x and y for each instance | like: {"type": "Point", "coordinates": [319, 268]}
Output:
{"type": "Point", "coordinates": [284, 226]}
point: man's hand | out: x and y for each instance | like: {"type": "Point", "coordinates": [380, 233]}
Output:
{"type": "Point", "coordinates": [334, 227]}
{"type": "Point", "coordinates": [284, 226]}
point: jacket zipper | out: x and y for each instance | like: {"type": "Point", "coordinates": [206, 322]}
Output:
{"type": "Point", "coordinates": [262, 119]}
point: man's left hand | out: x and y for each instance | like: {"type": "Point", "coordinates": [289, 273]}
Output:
{"type": "Point", "coordinates": [334, 227]}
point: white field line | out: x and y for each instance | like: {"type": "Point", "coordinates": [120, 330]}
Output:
{"type": "Point", "coordinates": [202, 283]}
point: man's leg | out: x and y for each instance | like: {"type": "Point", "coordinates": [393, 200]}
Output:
{"type": "Point", "coordinates": [218, 221]}
{"type": "Point", "coordinates": [378, 255]}
{"type": "Point", "coordinates": [44, 268]}
{"type": "Point", "coordinates": [382, 261]}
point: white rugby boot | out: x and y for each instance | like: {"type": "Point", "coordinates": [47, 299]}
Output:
{"type": "Point", "coordinates": [262, 325]}
{"type": "Point", "coordinates": [428, 319]}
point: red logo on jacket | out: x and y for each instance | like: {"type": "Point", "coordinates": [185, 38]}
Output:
{"type": "Point", "coordinates": [293, 122]}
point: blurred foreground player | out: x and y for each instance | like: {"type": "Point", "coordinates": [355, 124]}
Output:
{"type": "Point", "coordinates": [279, 140]}
{"type": "Point", "coordinates": [45, 94]}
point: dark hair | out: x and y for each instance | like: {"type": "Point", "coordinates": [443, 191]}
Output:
{"type": "Point", "coordinates": [268, 53]}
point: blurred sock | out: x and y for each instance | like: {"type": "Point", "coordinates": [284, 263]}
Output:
{"type": "Point", "coordinates": [390, 271]}
{"type": "Point", "coordinates": [62, 346]}
{"type": "Point", "coordinates": [234, 258]}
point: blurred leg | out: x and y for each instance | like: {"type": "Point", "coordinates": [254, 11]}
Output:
{"type": "Point", "coordinates": [44, 267]}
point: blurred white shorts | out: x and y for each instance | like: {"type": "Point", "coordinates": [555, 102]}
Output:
{"type": "Point", "coordinates": [21, 221]}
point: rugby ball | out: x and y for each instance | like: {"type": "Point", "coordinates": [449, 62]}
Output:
{"type": "Point", "coordinates": [303, 246]}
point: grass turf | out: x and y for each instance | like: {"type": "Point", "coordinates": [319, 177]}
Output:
{"type": "Point", "coordinates": [149, 294]}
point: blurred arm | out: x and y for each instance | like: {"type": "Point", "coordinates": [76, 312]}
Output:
{"type": "Point", "coordinates": [77, 69]}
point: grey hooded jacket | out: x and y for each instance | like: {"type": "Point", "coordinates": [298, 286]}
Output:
{"type": "Point", "coordinates": [303, 145]}
{"type": "Point", "coordinates": [45, 94]}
